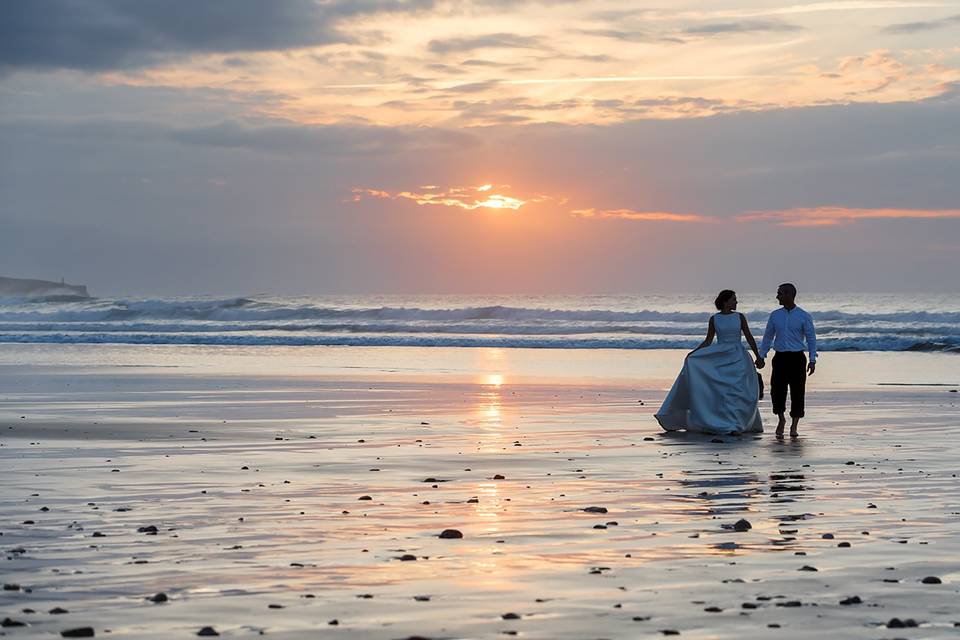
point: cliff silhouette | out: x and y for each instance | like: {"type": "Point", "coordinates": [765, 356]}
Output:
{"type": "Point", "coordinates": [26, 287]}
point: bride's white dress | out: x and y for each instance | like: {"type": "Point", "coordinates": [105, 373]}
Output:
{"type": "Point", "coordinates": [717, 389]}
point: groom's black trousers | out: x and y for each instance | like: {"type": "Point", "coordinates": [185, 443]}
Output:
{"type": "Point", "coordinates": [789, 370]}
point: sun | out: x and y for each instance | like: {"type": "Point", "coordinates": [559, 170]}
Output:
{"type": "Point", "coordinates": [497, 201]}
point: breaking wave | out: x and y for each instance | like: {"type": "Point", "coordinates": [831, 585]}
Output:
{"type": "Point", "coordinates": [566, 323]}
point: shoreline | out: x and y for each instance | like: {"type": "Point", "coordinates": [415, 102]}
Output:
{"type": "Point", "coordinates": [257, 479]}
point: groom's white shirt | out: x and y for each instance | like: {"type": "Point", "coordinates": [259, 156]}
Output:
{"type": "Point", "coordinates": [786, 331]}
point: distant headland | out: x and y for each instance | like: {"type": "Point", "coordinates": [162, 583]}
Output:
{"type": "Point", "coordinates": [24, 287]}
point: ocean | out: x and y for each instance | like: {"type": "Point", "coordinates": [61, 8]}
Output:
{"type": "Point", "coordinates": [845, 322]}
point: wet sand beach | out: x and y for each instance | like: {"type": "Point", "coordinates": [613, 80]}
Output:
{"type": "Point", "coordinates": [375, 494]}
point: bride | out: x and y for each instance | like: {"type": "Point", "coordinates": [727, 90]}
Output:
{"type": "Point", "coordinates": [717, 390]}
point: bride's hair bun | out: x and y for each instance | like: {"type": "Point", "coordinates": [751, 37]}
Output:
{"type": "Point", "coordinates": [722, 297]}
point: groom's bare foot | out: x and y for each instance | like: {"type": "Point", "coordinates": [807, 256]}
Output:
{"type": "Point", "coordinates": [780, 425]}
{"type": "Point", "coordinates": [793, 429]}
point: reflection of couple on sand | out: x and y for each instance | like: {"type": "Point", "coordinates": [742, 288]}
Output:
{"type": "Point", "coordinates": [718, 390]}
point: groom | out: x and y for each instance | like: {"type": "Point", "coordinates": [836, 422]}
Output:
{"type": "Point", "coordinates": [786, 330]}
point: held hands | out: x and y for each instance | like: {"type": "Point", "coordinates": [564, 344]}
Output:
{"type": "Point", "coordinates": [811, 368]}
{"type": "Point", "coordinates": [759, 363]}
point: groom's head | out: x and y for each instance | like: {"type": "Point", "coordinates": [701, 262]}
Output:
{"type": "Point", "coordinates": [786, 293]}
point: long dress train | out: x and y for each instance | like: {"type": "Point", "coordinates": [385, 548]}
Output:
{"type": "Point", "coordinates": [717, 389]}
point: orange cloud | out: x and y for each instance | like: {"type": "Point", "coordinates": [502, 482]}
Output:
{"type": "Point", "coordinates": [486, 196]}
{"type": "Point", "coordinates": [834, 216]}
{"type": "Point", "coordinates": [650, 216]}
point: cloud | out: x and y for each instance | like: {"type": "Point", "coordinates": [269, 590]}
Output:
{"type": "Point", "coordinates": [646, 216]}
{"type": "Point", "coordinates": [926, 25]}
{"type": "Point", "coordinates": [742, 26]}
{"type": "Point", "coordinates": [97, 35]}
{"type": "Point", "coordinates": [486, 196]}
{"type": "Point", "coordinates": [627, 36]}
{"type": "Point", "coordinates": [339, 139]}
{"type": "Point", "coordinates": [835, 216]}
{"type": "Point", "coordinates": [488, 41]}
{"type": "Point", "coordinates": [279, 137]}
{"type": "Point", "coordinates": [472, 87]}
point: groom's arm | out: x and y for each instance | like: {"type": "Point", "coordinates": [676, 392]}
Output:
{"type": "Point", "coordinates": [811, 334]}
{"type": "Point", "coordinates": [768, 335]}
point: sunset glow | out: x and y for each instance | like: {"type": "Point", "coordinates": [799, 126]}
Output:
{"type": "Point", "coordinates": [469, 198]}
{"type": "Point", "coordinates": [437, 146]}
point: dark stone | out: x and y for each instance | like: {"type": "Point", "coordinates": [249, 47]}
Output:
{"type": "Point", "coordinates": [207, 631]}
{"type": "Point", "coordinates": [713, 610]}
{"type": "Point", "coordinates": [150, 530]}
{"type": "Point", "coordinates": [897, 623]}
{"type": "Point", "coordinates": [499, 477]}
{"type": "Point", "coordinates": [10, 622]}
{"type": "Point", "coordinates": [843, 544]}
{"type": "Point", "coordinates": [932, 580]}
{"type": "Point", "coordinates": [58, 611]}
{"type": "Point", "coordinates": [274, 606]}
{"type": "Point", "coordinates": [851, 600]}
{"type": "Point", "coordinates": [11, 587]}
{"type": "Point", "coordinates": [407, 557]}
{"type": "Point", "coordinates": [742, 525]}
{"type": "Point", "coordinates": [595, 509]}
{"type": "Point", "coordinates": [449, 534]}
{"type": "Point", "coordinates": [159, 598]}
{"type": "Point", "coordinates": [807, 567]}
{"type": "Point", "coordinates": [364, 498]}
{"type": "Point", "coordinates": [827, 536]}
{"type": "Point", "coordinates": [79, 632]}
{"type": "Point", "coordinates": [511, 616]}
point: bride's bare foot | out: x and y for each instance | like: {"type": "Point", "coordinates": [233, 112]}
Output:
{"type": "Point", "coordinates": [780, 426]}
{"type": "Point", "coordinates": [794, 434]}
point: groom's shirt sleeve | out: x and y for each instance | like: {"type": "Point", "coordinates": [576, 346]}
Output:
{"type": "Point", "coordinates": [811, 334]}
{"type": "Point", "coordinates": [768, 334]}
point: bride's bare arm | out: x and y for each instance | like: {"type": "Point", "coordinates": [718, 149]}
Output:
{"type": "Point", "coordinates": [749, 336]}
{"type": "Point", "coordinates": [711, 332]}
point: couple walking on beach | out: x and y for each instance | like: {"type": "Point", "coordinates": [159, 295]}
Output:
{"type": "Point", "coordinates": [718, 391]}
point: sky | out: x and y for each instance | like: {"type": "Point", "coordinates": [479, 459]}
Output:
{"type": "Point", "coordinates": [480, 146]}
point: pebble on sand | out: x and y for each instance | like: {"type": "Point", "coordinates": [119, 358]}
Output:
{"type": "Point", "coordinates": [594, 509]}
{"type": "Point", "coordinates": [742, 525]}
{"type": "Point", "coordinates": [511, 616]}
{"type": "Point", "coordinates": [158, 598]}
{"type": "Point", "coordinates": [207, 631]}
{"type": "Point", "coordinates": [450, 534]}
{"type": "Point", "coordinates": [932, 580]}
{"type": "Point", "coordinates": [897, 623]}
{"type": "Point", "coordinates": [851, 600]}
{"type": "Point", "coordinates": [79, 632]}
